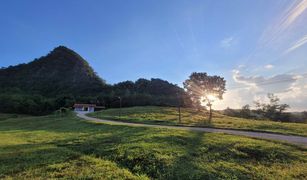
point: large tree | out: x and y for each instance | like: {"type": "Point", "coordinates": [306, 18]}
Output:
{"type": "Point", "coordinates": [204, 89]}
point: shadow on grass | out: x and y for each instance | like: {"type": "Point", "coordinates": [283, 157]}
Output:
{"type": "Point", "coordinates": [19, 158]}
{"type": "Point", "coordinates": [156, 153]}
{"type": "Point", "coordinates": [185, 166]}
{"type": "Point", "coordinates": [132, 148]}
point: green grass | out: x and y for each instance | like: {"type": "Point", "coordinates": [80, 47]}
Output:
{"type": "Point", "coordinates": [70, 148]}
{"type": "Point", "coordinates": [8, 116]}
{"type": "Point", "coordinates": [191, 117]}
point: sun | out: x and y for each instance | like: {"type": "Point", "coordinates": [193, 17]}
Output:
{"type": "Point", "coordinates": [211, 97]}
{"type": "Point", "coordinates": [204, 99]}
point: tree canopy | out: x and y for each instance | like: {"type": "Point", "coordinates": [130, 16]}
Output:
{"type": "Point", "coordinates": [203, 88]}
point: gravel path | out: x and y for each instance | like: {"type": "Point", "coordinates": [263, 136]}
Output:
{"type": "Point", "coordinates": [271, 136]}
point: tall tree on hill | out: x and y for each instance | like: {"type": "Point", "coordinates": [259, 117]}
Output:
{"type": "Point", "coordinates": [204, 89]}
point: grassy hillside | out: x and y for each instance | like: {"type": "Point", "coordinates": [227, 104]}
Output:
{"type": "Point", "coordinates": [169, 116]}
{"type": "Point", "coordinates": [4, 116]}
{"type": "Point", "coordinates": [67, 147]}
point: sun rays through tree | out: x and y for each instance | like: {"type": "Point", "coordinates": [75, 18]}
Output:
{"type": "Point", "coordinates": [204, 90]}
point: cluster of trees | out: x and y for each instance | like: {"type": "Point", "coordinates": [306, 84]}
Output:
{"type": "Point", "coordinates": [143, 92]}
{"type": "Point", "coordinates": [272, 110]}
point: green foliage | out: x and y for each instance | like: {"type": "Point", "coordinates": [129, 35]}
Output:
{"type": "Point", "coordinates": [25, 104]}
{"type": "Point", "coordinates": [273, 110]}
{"type": "Point", "coordinates": [304, 115]}
{"type": "Point", "coordinates": [193, 117]}
{"type": "Point", "coordinates": [142, 92]}
{"type": "Point", "coordinates": [8, 116]}
{"type": "Point", "coordinates": [63, 78]}
{"type": "Point", "coordinates": [66, 147]}
{"type": "Point", "coordinates": [201, 85]}
{"type": "Point", "coordinates": [245, 112]}
{"type": "Point", "coordinates": [62, 71]}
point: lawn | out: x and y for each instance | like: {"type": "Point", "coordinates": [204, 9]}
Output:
{"type": "Point", "coordinates": [192, 117]}
{"type": "Point", "coordinates": [68, 147]}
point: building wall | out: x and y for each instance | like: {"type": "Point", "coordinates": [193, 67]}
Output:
{"type": "Point", "coordinates": [78, 109]}
{"type": "Point", "coordinates": [89, 109]}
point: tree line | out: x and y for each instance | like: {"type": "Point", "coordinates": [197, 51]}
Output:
{"type": "Point", "coordinates": [270, 110]}
{"type": "Point", "coordinates": [156, 92]}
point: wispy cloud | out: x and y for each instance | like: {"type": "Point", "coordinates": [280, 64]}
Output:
{"type": "Point", "coordinates": [294, 13]}
{"type": "Point", "coordinates": [228, 42]}
{"type": "Point", "coordinates": [297, 44]}
{"type": "Point", "coordinates": [269, 66]}
{"type": "Point", "coordinates": [278, 31]}
{"type": "Point", "coordinates": [179, 40]}
{"type": "Point", "coordinates": [287, 19]}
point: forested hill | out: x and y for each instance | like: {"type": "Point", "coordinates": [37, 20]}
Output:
{"type": "Point", "coordinates": [63, 78]}
{"type": "Point", "coordinates": [62, 71]}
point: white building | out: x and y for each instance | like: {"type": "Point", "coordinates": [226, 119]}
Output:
{"type": "Point", "coordinates": [85, 108]}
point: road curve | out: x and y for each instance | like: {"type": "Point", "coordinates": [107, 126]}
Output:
{"type": "Point", "coordinates": [299, 140]}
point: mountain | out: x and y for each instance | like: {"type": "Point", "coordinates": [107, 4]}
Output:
{"type": "Point", "coordinates": [62, 71]}
{"type": "Point", "coordinates": [63, 77]}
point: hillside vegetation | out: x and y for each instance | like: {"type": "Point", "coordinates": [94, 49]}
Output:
{"type": "Point", "coordinates": [63, 77]}
{"type": "Point", "coordinates": [62, 71]}
{"type": "Point", "coordinates": [192, 117]}
{"type": "Point", "coordinates": [67, 147]}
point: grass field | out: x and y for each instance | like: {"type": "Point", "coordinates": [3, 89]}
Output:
{"type": "Point", "coordinates": [68, 147]}
{"type": "Point", "coordinates": [191, 117]}
{"type": "Point", "coordinates": [7, 116]}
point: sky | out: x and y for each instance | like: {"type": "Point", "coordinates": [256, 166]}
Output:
{"type": "Point", "coordinates": [258, 46]}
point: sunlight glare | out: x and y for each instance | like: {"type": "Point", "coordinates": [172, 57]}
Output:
{"type": "Point", "coordinates": [204, 99]}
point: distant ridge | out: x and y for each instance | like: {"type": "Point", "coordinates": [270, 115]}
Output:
{"type": "Point", "coordinates": [62, 71]}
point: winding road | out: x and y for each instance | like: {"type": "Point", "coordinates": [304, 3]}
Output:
{"type": "Point", "coordinates": [299, 140]}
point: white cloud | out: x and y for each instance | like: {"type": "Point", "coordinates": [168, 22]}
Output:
{"type": "Point", "coordinates": [269, 66]}
{"type": "Point", "coordinates": [273, 84]}
{"type": "Point", "coordinates": [290, 88]}
{"type": "Point", "coordinates": [235, 99]}
{"type": "Point", "coordinates": [228, 42]}
{"type": "Point", "coordinates": [241, 66]}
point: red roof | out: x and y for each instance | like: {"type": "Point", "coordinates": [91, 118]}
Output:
{"type": "Point", "coordinates": [84, 105]}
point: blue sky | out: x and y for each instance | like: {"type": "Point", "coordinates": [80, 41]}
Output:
{"type": "Point", "coordinates": [247, 42]}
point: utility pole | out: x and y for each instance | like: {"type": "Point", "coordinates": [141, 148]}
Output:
{"type": "Point", "coordinates": [120, 106]}
{"type": "Point", "coordinates": [179, 108]}
{"type": "Point", "coordinates": [179, 114]}
{"type": "Point", "coordinates": [210, 111]}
